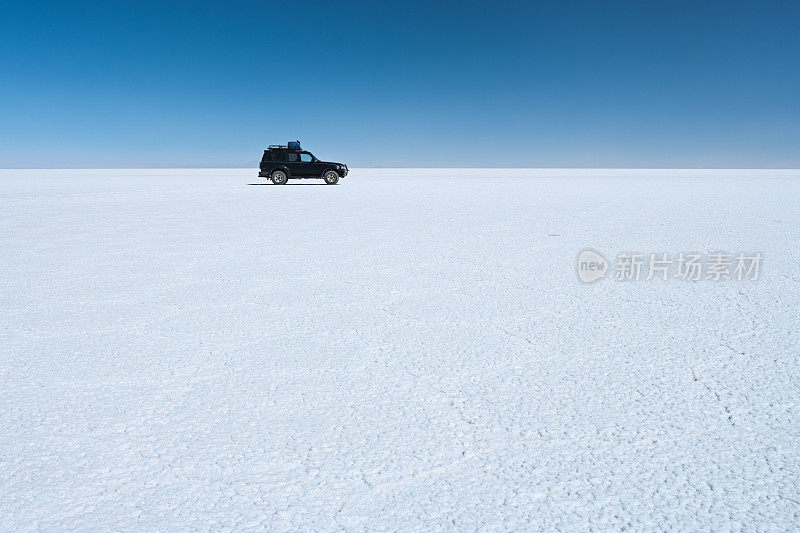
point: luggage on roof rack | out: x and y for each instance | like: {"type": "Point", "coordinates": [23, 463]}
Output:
{"type": "Point", "coordinates": [292, 145]}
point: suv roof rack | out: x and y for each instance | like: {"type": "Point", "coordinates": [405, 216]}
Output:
{"type": "Point", "coordinates": [291, 145]}
{"type": "Point", "coordinates": [283, 147]}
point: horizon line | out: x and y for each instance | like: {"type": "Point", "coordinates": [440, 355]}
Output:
{"type": "Point", "coordinates": [410, 168]}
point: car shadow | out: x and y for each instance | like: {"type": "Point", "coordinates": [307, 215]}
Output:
{"type": "Point", "coordinates": [289, 184]}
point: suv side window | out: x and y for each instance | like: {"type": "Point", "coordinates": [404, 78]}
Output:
{"type": "Point", "coordinates": [291, 156]}
{"type": "Point", "coordinates": [306, 157]}
{"type": "Point", "coordinates": [275, 155]}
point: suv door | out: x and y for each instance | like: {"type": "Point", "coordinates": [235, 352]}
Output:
{"type": "Point", "coordinates": [308, 165]}
{"type": "Point", "coordinates": [293, 163]}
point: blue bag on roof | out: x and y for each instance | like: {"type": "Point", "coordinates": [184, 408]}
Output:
{"type": "Point", "coordinates": [294, 145]}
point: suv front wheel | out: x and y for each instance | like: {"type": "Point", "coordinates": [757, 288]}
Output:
{"type": "Point", "coordinates": [331, 177]}
{"type": "Point", "coordinates": [279, 177]}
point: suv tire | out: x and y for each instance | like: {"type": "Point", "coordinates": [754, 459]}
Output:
{"type": "Point", "coordinates": [279, 177]}
{"type": "Point", "coordinates": [331, 177]}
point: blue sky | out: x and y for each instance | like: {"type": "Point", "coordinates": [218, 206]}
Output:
{"type": "Point", "coordinates": [541, 84]}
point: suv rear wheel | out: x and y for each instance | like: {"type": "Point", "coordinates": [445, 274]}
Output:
{"type": "Point", "coordinates": [331, 177]}
{"type": "Point", "coordinates": [279, 177]}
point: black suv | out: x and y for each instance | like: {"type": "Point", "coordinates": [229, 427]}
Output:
{"type": "Point", "coordinates": [283, 162]}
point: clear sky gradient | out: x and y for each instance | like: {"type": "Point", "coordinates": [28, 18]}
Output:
{"type": "Point", "coordinates": [541, 84]}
